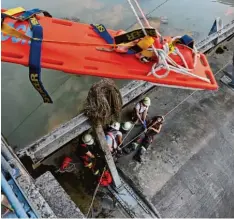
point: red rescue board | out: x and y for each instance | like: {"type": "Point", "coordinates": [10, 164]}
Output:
{"type": "Point", "coordinates": [87, 60]}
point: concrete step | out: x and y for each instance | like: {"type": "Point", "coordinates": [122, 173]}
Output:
{"type": "Point", "coordinates": [56, 197]}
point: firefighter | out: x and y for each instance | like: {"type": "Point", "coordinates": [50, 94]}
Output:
{"type": "Point", "coordinates": [140, 111]}
{"type": "Point", "coordinates": [153, 129]}
{"type": "Point", "coordinates": [86, 153]}
{"type": "Point", "coordinates": [126, 127]}
{"type": "Point", "coordinates": [114, 137]}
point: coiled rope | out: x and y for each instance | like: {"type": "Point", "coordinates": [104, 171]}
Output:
{"type": "Point", "coordinates": [162, 54]}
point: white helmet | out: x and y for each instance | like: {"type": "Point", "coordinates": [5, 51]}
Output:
{"type": "Point", "coordinates": [147, 101]}
{"type": "Point", "coordinates": [115, 125]}
{"type": "Point", "coordinates": [88, 139]}
{"type": "Point", "coordinates": [127, 126]}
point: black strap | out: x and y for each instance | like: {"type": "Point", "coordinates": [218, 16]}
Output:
{"type": "Point", "coordinates": [134, 35]}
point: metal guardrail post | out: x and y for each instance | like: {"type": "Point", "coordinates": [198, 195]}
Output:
{"type": "Point", "coordinates": [7, 168]}
{"type": "Point", "coordinates": [18, 208]}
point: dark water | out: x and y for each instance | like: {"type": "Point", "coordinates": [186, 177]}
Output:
{"type": "Point", "coordinates": [25, 118]}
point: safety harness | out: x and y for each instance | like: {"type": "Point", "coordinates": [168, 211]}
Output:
{"type": "Point", "coordinates": [148, 47]}
{"type": "Point", "coordinates": [35, 46]}
{"type": "Point", "coordinates": [132, 42]}
{"type": "Point", "coordinates": [113, 139]}
{"type": "Point", "coordinates": [135, 42]}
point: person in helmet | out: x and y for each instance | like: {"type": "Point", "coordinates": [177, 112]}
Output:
{"type": "Point", "coordinates": [140, 111]}
{"type": "Point", "coordinates": [86, 152]}
{"type": "Point", "coordinates": [114, 136]}
{"type": "Point", "coordinates": [153, 129]}
{"type": "Point", "coordinates": [126, 126]}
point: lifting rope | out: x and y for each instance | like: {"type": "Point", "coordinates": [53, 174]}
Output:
{"type": "Point", "coordinates": [174, 108]}
{"type": "Point", "coordinates": [162, 54]}
{"type": "Point", "coordinates": [95, 192]}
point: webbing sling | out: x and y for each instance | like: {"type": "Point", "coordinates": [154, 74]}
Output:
{"type": "Point", "coordinates": [25, 15]}
{"type": "Point", "coordinates": [134, 35]}
{"type": "Point", "coordinates": [14, 11]}
{"type": "Point", "coordinates": [124, 38]}
{"type": "Point", "coordinates": [35, 59]}
{"type": "Point", "coordinates": [102, 32]}
{"type": "Point", "coordinates": [35, 47]}
{"type": "Point", "coordinates": [11, 12]}
{"type": "Point", "coordinates": [10, 31]}
{"type": "Point", "coordinates": [30, 13]}
{"type": "Point", "coordinates": [187, 40]}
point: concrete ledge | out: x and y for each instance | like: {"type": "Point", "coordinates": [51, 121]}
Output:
{"type": "Point", "coordinates": [26, 183]}
{"type": "Point", "coordinates": [57, 198]}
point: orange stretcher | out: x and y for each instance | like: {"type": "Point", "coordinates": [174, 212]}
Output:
{"type": "Point", "coordinates": [82, 57]}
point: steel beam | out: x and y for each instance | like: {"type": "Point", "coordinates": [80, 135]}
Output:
{"type": "Point", "coordinates": [51, 142]}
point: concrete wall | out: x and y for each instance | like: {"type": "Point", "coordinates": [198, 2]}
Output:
{"type": "Point", "coordinates": [189, 169]}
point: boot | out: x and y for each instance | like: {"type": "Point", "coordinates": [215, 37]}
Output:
{"type": "Point", "coordinates": [130, 148]}
{"type": "Point", "coordinates": [138, 155]}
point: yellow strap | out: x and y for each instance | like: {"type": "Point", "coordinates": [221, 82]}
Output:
{"type": "Point", "coordinates": [10, 31]}
{"type": "Point", "coordinates": [147, 53]}
{"type": "Point", "coordinates": [89, 165]}
{"type": "Point", "coordinates": [146, 42]}
{"type": "Point", "coordinates": [171, 47]}
{"type": "Point", "coordinates": [96, 172]}
{"type": "Point", "coordinates": [14, 11]}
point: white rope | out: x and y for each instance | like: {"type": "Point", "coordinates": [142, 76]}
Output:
{"type": "Point", "coordinates": [128, 133]}
{"type": "Point", "coordinates": [70, 168]}
{"type": "Point", "coordinates": [174, 108]}
{"type": "Point", "coordinates": [162, 54]}
{"type": "Point", "coordinates": [144, 17]}
{"type": "Point", "coordinates": [140, 23]}
{"type": "Point", "coordinates": [95, 193]}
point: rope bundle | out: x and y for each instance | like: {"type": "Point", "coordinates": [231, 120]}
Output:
{"type": "Point", "coordinates": [104, 102]}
